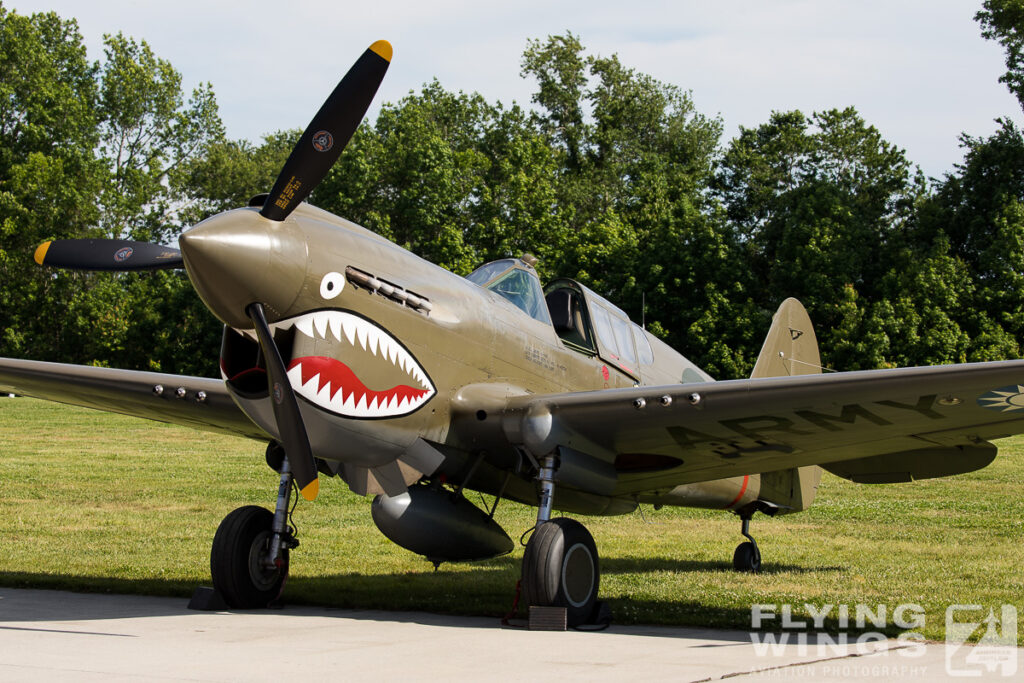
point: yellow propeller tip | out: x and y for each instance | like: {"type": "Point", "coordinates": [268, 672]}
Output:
{"type": "Point", "coordinates": [311, 490]}
{"type": "Point", "coordinates": [382, 48]}
{"type": "Point", "coordinates": [41, 252]}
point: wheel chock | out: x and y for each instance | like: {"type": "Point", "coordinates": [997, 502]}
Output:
{"type": "Point", "coordinates": [547, 618]}
{"type": "Point", "coordinates": [206, 599]}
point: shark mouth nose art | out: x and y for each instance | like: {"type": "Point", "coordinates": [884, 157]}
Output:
{"type": "Point", "coordinates": [349, 366]}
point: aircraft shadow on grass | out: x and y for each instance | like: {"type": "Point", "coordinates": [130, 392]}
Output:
{"type": "Point", "coordinates": [430, 597]}
{"type": "Point", "coordinates": [119, 600]}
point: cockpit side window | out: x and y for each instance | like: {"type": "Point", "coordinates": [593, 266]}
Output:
{"type": "Point", "coordinates": [616, 337]}
{"type": "Point", "coordinates": [643, 346]}
{"type": "Point", "coordinates": [624, 340]}
{"type": "Point", "coordinates": [603, 326]}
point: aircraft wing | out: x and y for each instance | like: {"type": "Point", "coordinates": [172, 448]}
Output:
{"type": "Point", "coordinates": [132, 393]}
{"type": "Point", "coordinates": [670, 435]}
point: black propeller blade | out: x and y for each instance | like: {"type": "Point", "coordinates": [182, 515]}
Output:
{"type": "Point", "coordinates": [328, 133]}
{"type": "Point", "coordinates": [101, 254]}
{"type": "Point", "coordinates": [286, 409]}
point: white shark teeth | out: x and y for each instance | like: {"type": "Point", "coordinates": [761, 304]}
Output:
{"type": "Point", "coordinates": [305, 326]}
{"type": "Point", "coordinates": [320, 324]}
{"type": "Point", "coordinates": [340, 326]}
{"type": "Point", "coordinates": [362, 334]}
{"type": "Point", "coordinates": [357, 331]}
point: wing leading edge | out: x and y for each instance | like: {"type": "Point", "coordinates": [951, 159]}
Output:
{"type": "Point", "coordinates": [679, 434]}
{"type": "Point", "coordinates": [203, 403]}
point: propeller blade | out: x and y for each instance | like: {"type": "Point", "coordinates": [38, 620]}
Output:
{"type": "Point", "coordinates": [286, 409]}
{"type": "Point", "coordinates": [107, 255]}
{"type": "Point", "coordinates": [328, 133]}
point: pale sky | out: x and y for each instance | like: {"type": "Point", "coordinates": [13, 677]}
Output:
{"type": "Point", "coordinates": [918, 70]}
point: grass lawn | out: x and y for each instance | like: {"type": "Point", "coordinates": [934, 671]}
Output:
{"type": "Point", "coordinates": [98, 502]}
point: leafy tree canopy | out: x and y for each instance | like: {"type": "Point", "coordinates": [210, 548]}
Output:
{"type": "Point", "coordinates": [612, 177]}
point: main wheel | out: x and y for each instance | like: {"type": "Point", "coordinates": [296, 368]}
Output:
{"type": "Point", "coordinates": [560, 569]}
{"type": "Point", "coordinates": [746, 558]}
{"type": "Point", "coordinates": [236, 559]}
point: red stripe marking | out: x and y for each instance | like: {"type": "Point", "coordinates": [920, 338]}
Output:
{"type": "Point", "coordinates": [743, 489]}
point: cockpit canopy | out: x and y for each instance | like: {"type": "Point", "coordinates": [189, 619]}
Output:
{"type": "Point", "coordinates": [516, 281]}
{"type": "Point", "coordinates": [587, 323]}
{"type": "Point", "coordinates": [584, 321]}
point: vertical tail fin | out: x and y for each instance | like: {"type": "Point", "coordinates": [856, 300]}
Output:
{"type": "Point", "coordinates": [790, 349]}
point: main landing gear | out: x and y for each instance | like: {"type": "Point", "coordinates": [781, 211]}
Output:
{"type": "Point", "coordinates": [249, 558]}
{"type": "Point", "coordinates": [560, 566]}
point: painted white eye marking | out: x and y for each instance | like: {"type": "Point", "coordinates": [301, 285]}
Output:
{"type": "Point", "coordinates": [331, 285]}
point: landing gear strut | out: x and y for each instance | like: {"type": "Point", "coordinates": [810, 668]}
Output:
{"type": "Point", "coordinates": [560, 566]}
{"type": "Point", "coordinates": [249, 558]}
{"type": "Point", "coordinates": [747, 557]}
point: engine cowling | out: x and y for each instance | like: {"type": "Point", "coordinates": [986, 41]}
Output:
{"type": "Point", "coordinates": [439, 525]}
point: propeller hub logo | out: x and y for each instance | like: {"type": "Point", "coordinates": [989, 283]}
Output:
{"type": "Point", "coordinates": [323, 141]}
{"type": "Point", "coordinates": [124, 254]}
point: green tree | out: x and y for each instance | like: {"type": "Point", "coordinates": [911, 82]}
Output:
{"type": "Point", "coordinates": [147, 132]}
{"type": "Point", "coordinates": [87, 149]}
{"type": "Point", "coordinates": [559, 67]}
{"type": "Point", "coordinates": [637, 160]}
{"type": "Point", "coordinates": [451, 177]}
{"type": "Point", "coordinates": [229, 174]}
{"type": "Point", "coordinates": [977, 214]}
{"type": "Point", "coordinates": [1003, 21]}
{"type": "Point", "coordinates": [822, 204]}
{"type": "Point", "coordinates": [49, 176]}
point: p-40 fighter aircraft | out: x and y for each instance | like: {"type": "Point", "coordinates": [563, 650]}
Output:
{"type": "Point", "coordinates": [354, 358]}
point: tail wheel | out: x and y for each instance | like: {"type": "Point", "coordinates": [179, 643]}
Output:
{"type": "Point", "coordinates": [236, 559]}
{"type": "Point", "coordinates": [560, 569]}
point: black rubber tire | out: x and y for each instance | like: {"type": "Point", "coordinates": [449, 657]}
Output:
{"type": "Point", "coordinates": [746, 558]}
{"type": "Point", "coordinates": [241, 539]}
{"type": "Point", "coordinates": [561, 569]}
